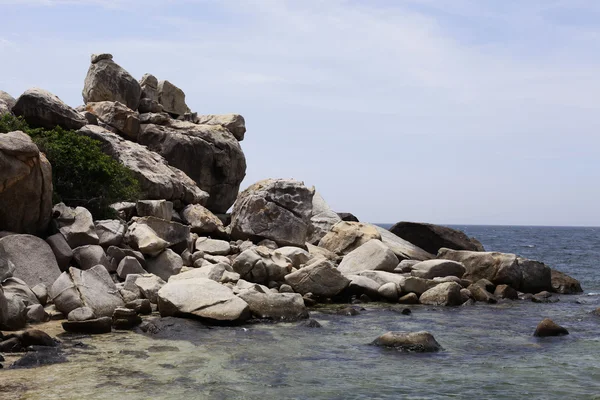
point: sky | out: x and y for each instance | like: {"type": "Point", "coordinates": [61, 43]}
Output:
{"type": "Point", "coordinates": [442, 111]}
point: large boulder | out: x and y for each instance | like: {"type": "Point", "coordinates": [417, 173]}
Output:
{"type": "Point", "coordinates": [372, 255]}
{"type": "Point", "coordinates": [93, 288]}
{"type": "Point", "coordinates": [403, 249]}
{"type": "Point", "coordinates": [5, 109]}
{"type": "Point", "coordinates": [149, 85]}
{"type": "Point", "coordinates": [502, 268]}
{"type": "Point", "coordinates": [275, 209]}
{"type": "Point", "coordinates": [438, 268]}
{"type": "Point", "coordinates": [347, 236]}
{"type": "Point", "coordinates": [172, 232]}
{"type": "Point", "coordinates": [8, 99]}
{"type": "Point", "coordinates": [90, 255]}
{"type": "Point", "coordinates": [444, 294]}
{"type": "Point", "coordinates": [116, 115]}
{"type": "Point", "coordinates": [41, 108]}
{"type": "Point", "coordinates": [234, 123]}
{"type": "Point", "coordinates": [172, 98]}
{"type": "Point", "coordinates": [276, 306]}
{"type": "Point", "coordinates": [431, 237]}
{"type": "Point", "coordinates": [25, 185]}
{"type": "Point", "coordinates": [564, 284]}
{"type": "Point", "coordinates": [107, 81]}
{"type": "Point", "coordinates": [158, 179]}
{"type": "Point", "coordinates": [322, 219]}
{"type": "Point", "coordinates": [75, 224]}
{"type": "Point", "coordinates": [320, 277]}
{"type": "Point", "coordinates": [209, 154]}
{"type": "Point", "coordinates": [31, 257]}
{"type": "Point", "coordinates": [61, 249]}
{"type": "Point", "coordinates": [110, 232]}
{"type": "Point", "coordinates": [162, 209]}
{"type": "Point", "coordinates": [165, 264]}
{"type": "Point", "coordinates": [262, 265]}
{"type": "Point", "coordinates": [13, 312]}
{"type": "Point", "coordinates": [202, 298]}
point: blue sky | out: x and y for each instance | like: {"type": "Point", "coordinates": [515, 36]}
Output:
{"type": "Point", "coordinates": [446, 111]}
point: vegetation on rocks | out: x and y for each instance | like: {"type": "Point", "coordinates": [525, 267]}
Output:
{"type": "Point", "coordinates": [82, 174]}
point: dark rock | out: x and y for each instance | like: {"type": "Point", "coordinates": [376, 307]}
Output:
{"type": "Point", "coordinates": [35, 337]}
{"type": "Point", "coordinates": [125, 318]}
{"type": "Point", "coordinates": [347, 217]}
{"type": "Point", "coordinates": [544, 297]}
{"type": "Point", "coordinates": [479, 293]}
{"type": "Point", "coordinates": [81, 314]}
{"type": "Point", "coordinates": [348, 311]}
{"type": "Point", "coordinates": [89, 256]}
{"type": "Point", "coordinates": [91, 326]}
{"type": "Point", "coordinates": [11, 345]}
{"type": "Point", "coordinates": [431, 238]}
{"type": "Point", "coordinates": [549, 328]}
{"type": "Point", "coordinates": [410, 298]}
{"type": "Point", "coordinates": [107, 81]}
{"type": "Point", "coordinates": [406, 311]}
{"type": "Point", "coordinates": [61, 249]}
{"type": "Point", "coordinates": [140, 306]}
{"type": "Point", "coordinates": [43, 109]}
{"type": "Point", "coordinates": [564, 284]}
{"type": "Point", "coordinates": [310, 323]}
{"type": "Point", "coordinates": [421, 342]}
{"type": "Point", "coordinates": [41, 356]}
{"type": "Point", "coordinates": [506, 292]}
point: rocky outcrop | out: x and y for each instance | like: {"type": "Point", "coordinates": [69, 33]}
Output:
{"type": "Point", "coordinates": [43, 109]}
{"type": "Point", "coordinates": [431, 237]}
{"type": "Point", "coordinates": [171, 98]}
{"type": "Point", "coordinates": [202, 298]}
{"type": "Point", "coordinates": [25, 185]}
{"type": "Point", "coordinates": [117, 116]}
{"type": "Point", "coordinates": [107, 81]}
{"type": "Point", "coordinates": [502, 268]}
{"type": "Point", "coordinates": [158, 179]}
{"type": "Point", "coordinates": [347, 236]}
{"type": "Point", "coordinates": [420, 342]}
{"type": "Point", "coordinates": [320, 277]}
{"type": "Point", "coordinates": [234, 123]}
{"type": "Point", "coordinates": [32, 259]}
{"type": "Point", "coordinates": [322, 219]}
{"type": "Point", "coordinates": [209, 154]}
{"type": "Point", "coordinates": [372, 255]}
{"type": "Point", "coordinates": [275, 209]}
{"type": "Point", "coordinates": [93, 288]}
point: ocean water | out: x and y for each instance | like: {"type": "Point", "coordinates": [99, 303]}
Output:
{"type": "Point", "coordinates": [489, 351]}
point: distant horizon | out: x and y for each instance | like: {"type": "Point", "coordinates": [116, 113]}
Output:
{"type": "Point", "coordinates": [470, 110]}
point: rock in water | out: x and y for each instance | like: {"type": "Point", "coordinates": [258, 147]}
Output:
{"type": "Point", "coordinates": [421, 342]}
{"type": "Point", "coordinates": [107, 81]}
{"type": "Point", "coordinates": [431, 238]}
{"type": "Point", "coordinates": [276, 306]}
{"type": "Point", "coordinates": [90, 326]}
{"type": "Point", "coordinates": [276, 209]}
{"type": "Point", "coordinates": [203, 298]}
{"type": "Point", "coordinates": [25, 185]}
{"type": "Point", "coordinates": [564, 284]}
{"type": "Point", "coordinates": [158, 180]}
{"type": "Point", "coordinates": [444, 294]}
{"type": "Point", "coordinates": [549, 328]}
{"type": "Point", "coordinates": [209, 154]}
{"type": "Point", "coordinates": [31, 257]}
{"type": "Point", "coordinates": [43, 109]}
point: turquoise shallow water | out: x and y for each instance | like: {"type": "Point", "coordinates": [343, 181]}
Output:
{"type": "Point", "coordinates": [489, 350]}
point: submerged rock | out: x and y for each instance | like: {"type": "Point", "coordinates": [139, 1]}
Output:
{"type": "Point", "coordinates": [549, 328]}
{"type": "Point", "coordinates": [421, 342]}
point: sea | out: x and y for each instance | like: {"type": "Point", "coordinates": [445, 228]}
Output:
{"type": "Point", "coordinates": [488, 350]}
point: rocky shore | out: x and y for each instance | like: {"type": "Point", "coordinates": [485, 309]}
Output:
{"type": "Point", "coordinates": [176, 252]}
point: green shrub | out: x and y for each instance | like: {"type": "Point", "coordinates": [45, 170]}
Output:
{"type": "Point", "coordinates": [82, 174]}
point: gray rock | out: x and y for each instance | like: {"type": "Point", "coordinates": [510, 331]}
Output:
{"type": "Point", "coordinates": [125, 318]}
{"type": "Point", "coordinates": [129, 265]}
{"type": "Point", "coordinates": [420, 342]}
{"type": "Point", "coordinates": [13, 312]}
{"type": "Point", "coordinates": [116, 254]}
{"type": "Point", "coordinates": [93, 288]}
{"type": "Point", "coordinates": [275, 209]}
{"type": "Point", "coordinates": [171, 98]}
{"type": "Point", "coordinates": [209, 154]}
{"type": "Point", "coordinates": [76, 225]}
{"type": "Point", "coordinates": [145, 239]}
{"type": "Point", "coordinates": [118, 116]}
{"type": "Point", "coordinates": [89, 256]}
{"type": "Point", "coordinates": [16, 288]}
{"type": "Point", "coordinates": [91, 326]}
{"type": "Point", "coordinates": [322, 219]}
{"type": "Point", "coordinates": [158, 180]}
{"type": "Point", "coordinates": [203, 298]}
{"type": "Point", "coordinates": [234, 123]}
{"type": "Point", "coordinates": [124, 209]}
{"type": "Point", "coordinates": [162, 209]}
{"type": "Point", "coordinates": [389, 291]}
{"type": "Point", "coordinates": [25, 185]}
{"type": "Point", "coordinates": [172, 232]}
{"type": "Point", "coordinates": [363, 285]}
{"type": "Point", "coordinates": [31, 257]}
{"type": "Point", "coordinates": [167, 263]}
{"type": "Point", "coordinates": [444, 294]}
{"type": "Point", "coordinates": [410, 298]}
{"type": "Point", "coordinates": [216, 272]}
{"type": "Point", "coordinates": [8, 99]}
{"type": "Point", "coordinates": [107, 81]}
{"type": "Point", "coordinates": [110, 232]}
{"type": "Point", "coordinates": [41, 108]}
{"type": "Point", "coordinates": [261, 265]}
{"type": "Point", "coordinates": [506, 292]}
{"type": "Point", "coordinates": [406, 266]}
{"type": "Point", "coordinates": [149, 285]}
{"type": "Point", "coordinates": [5, 109]}
{"type": "Point", "coordinates": [155, 118]}
{"type": "Point", "coordinates": [99, 57]}
{"type": "Point", "coordinates": [344, 237]}
{"type": "Point", "coordinates": [479, 293]}
{"type": "Point", "coordinates": [149, 85]}
{"type": "Point", "coordinates": [431, 237]}
{"type": "Point", "coordinates": [402, 248]}
{"type": "Point", "coordinates": [564, 284]}
{"type": "Point", "coordinates": [438, 268]}
{"type": "Point", "coordinates": [502, 268]}
{"type": "Point", "coordinates": [81, 314]}
{"type": "Point", "coordinates": [320, 252]}
{"type": "Point", "coordinates": [372, 255]}
{"type": "Point", "coordinates": [61, 249]}
{"type": "Point", "coordinates": [276, 306]}
{"type": "Point", "coordinates": [549, 328]}
{"type": "Point", "coordinates": [320, 277]}
{"type": "Point", "coordinates": [41, 292]}
{"type": "Point", "coordinates": [140, 306]}
{"type": "Point", "coordinates": [201, 220]}
{"type": "Point", "coordinates": [296, 255]}
{"type": "Point", "coordinates": [147, 106]}
{"type": "Point", "coordinates": [36, 314]}
{"type": "Point", "coordinates": [383, 277]}
{"type": "Point", "coordinates": [213, 246]}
